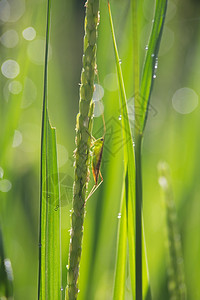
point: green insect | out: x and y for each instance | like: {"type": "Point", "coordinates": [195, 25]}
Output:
{"type": "Point", "coordinates": [97, 152]}
{"type": "Point", "coordinates": [96, 159]}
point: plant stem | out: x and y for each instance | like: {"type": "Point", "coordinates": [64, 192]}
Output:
{"type": "Point", "coordinates": [138, 220]}
{"type": "Point", "coordinates": [83, 143]}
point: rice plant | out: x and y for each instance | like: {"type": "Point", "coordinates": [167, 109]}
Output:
{"type": "Point", "coordinates": [108, 243]}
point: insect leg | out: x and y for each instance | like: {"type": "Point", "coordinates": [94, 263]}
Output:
{"type": "Point", "coordinates": [95, 187]}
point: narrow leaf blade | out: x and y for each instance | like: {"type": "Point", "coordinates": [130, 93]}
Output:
{"type": "Point", "coordinates": [50, 249]}
{"type": "Point", "coordinates": [151, 61]}
{"type": "Point", "coordinates": [129, 162]}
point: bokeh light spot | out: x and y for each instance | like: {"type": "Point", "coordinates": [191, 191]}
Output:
{"type": "Point", "coordinates": [29, 33]}
{"type": "Point", "coordinates": [17, 139]}
{"type": "Point", "coordinates": [4, 10]}
{"type": "Point", "coordinates": [29, 93]}
{"type": "Point", "coordinates": [17, 9]}
{"type": "Point", "coordinates": [10, 38]}
{"type": "Point", "coordinates": [185, 100]}
{"type": "Point", "coordinates": [15, 87]}
{"type": "Point", "coordinates": [1, 172]}
{"type": "Point", "coordinates": [5, 185]}
{"type": "Point", "coordinates": [31, 137]}
{"type": "Point", "coordinates": [98, 92]}
{"type": "Point", "coordinates": [10, 68]}
{"type": "Point", "coordinates": [98, 108]}
{"type": "Point", "coordinates": [163, 182]}
{"type": "Point", "coordinates": [36, 51]}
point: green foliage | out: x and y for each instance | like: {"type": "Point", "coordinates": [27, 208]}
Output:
{"type": "Point", "coordinates": [49, 255]}
{"type": "Point", "coordinates": [169, 135]}
{"type": "Point", "coordinates": [151, 63]}
{"type": "Point", "coordinates": [129, 199]}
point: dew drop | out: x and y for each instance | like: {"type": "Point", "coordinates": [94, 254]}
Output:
{"type": "Point", "coordinates": [120, 117]}
{"type": "Point", "coordinates": [120, 61]}
{"type": "Point", "coordinates": [56, 208]}
{"type": "Point", "coordinates": [152, 55]}
{"type": "Point", "coordinates": [119, 216]}
{"type": "Point", "coordinates": [61, 288]}
{"type": "Point", "coordinates": [154, 76]}
{"type": "Point", "coordinates": [146, 48]}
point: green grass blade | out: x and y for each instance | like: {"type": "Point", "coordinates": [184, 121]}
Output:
{"type": "Point", "coordinates": [126, 131]}
{"type": "Point", "coordinates": [176, 277]}
{"type": "Point", "coordinates": [6, 274]}
{"type": "Point", "coordinates": [50, 252]}
{"type": "Point", "coordinates": [129, 161]}
{"type": "Point", "coordinates": [150, 65]}
{"type": "Point", "coordinates": [136, 59]}
{"type": "Point", "coordinates": [120, 274]}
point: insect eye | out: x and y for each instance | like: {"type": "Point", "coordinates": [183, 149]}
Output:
{"type": "Point", "coordinates": [102, 139]}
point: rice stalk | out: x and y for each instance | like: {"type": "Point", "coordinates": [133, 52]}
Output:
{"type": "Point", "coordinates": [83, 142]}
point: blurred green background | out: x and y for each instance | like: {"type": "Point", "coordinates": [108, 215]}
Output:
{"type": "Point", "coordinates": [172, 134]}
